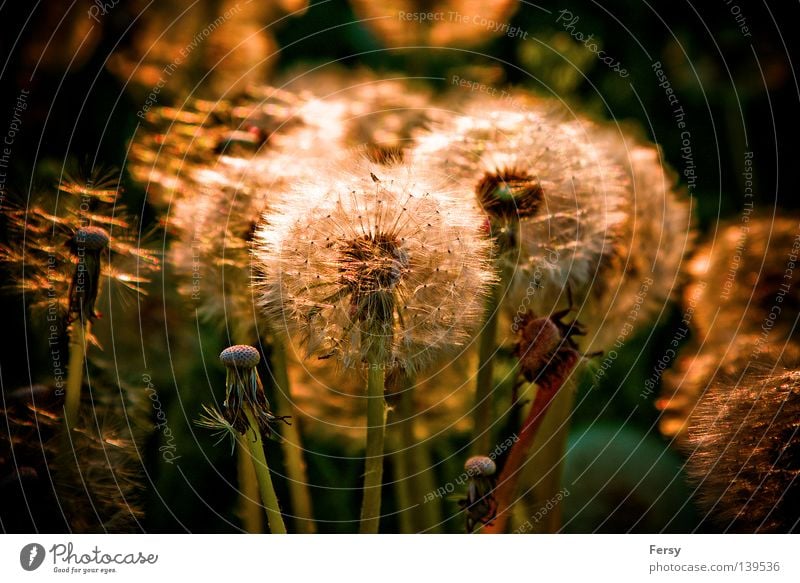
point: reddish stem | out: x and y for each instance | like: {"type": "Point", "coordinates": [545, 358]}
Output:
{"type": "Point", "coordinates": [548, 384]}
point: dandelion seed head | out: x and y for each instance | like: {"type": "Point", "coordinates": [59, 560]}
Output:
{"type": "Point", "coordinates": [744, 451]}
{"type": "Point", "coordinates": [553, 203]}
{"type": "Point", "coordinates": [83, 237]}
{"type": "Point", "coordinates": [571, 203]}
{"type": "Point", "coordinates": [370, 254]}
{"type": "Point", "coordinates": [736, 278]}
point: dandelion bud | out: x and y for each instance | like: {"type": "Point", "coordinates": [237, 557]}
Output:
{"type": "Point", "coordinates": [87, 246]}
{"type": "Point", "coordinates": [244, 391]}
{"type": "Point", "coordinates": [480, 465]}
{"type": "Point", "coordinates": [479, 505]}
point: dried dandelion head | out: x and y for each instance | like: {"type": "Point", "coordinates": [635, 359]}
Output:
{"type": "Point", "coordinates": [374, 263]}
{"type": "Point", "coordinates": [744, 449]}
{"type": "Point", "coordinates": [62, 247]}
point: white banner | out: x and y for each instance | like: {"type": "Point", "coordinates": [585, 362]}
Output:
{"type": "Point", "coordinates": [404, 559]}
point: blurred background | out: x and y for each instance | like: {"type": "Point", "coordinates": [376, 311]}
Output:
{"type": "Point", "coordinates": [74, 75]}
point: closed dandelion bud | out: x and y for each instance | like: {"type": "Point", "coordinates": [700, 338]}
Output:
{"type": "Point", "coordinates": [244, 392]}
{"type": "Point", "coordinates": [87, 247]}
{"type": "Point", "coordinates": [374, 259]}
{"type": "Point", "coordinates": [481, 466]}
{"type": "Point", "coordinates": [479, 505]}
{"type": "Point", "coordinates": [61, 248]}
{"type": "Point", "coordinates": [744, 451]}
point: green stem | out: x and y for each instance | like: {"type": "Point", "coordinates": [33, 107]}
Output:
{"type": "Point", "coordinates": [482, 412]}
{"type": "Point", "coordinates": [268, 496]}
{"type": "Point", "coordinates": [427, 515]}
{"type": "Point", "coordinates": [402, 486]}
{"type": "Point", "coordinates": [249, 508]}
{"type": "Point", "coordinates": [376, 429]}
{"type": "Point", "coordinates": [292, 445]}
{"type": "Point", "coordinates": [79, 333]}
{"type": "Point", "coordinates": [425, 482]}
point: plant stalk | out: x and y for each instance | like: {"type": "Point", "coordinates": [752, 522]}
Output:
{"type": "Point", "coordinates": [512, 470]}
{"type": "Point", "coordinates": [427, 516]}
{"type": "Point", "coordinates": [487, 346]}
{"type": "Point", "coordinates": [376, 430]}
{"type": "Point", "coordinates": [77, 362]}
{"type": "Point", "coordinates": [292, 445]}
{"type": "Point", "coordinates": [259, 460]}
{"type": "Point", "coordinates": [249, 508]}
{"type": "Point", "coordinates": [543, 471]}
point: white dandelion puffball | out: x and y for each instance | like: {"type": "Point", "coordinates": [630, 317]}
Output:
{"type": "Point", "coordinates": [574, 206]}
{"type": "Point", "coordinates": [374, 255]}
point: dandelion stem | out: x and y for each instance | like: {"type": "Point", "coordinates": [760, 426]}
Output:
{"type": "Point", "coordinates": [402, 486]}
{"type": "Point", "coordinates": [376, 430]}
{"type": "Point", "coordinates": [79, 332]}
{"type": "Point", "coordinates": [249, 508]}
{"type": "Point", "coordinates": [512, 470]}
{"type": "Point", "coordinates": [482, 412]}
{"type": "Point", "coordinates": [427, 516]}
{"type": "Point", "coordinates": [292, 445]}
{"type": "Point", "coordinates": [270, 500]}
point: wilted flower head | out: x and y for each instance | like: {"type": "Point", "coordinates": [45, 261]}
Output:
{"type": "Point", "coordinates": [374, 258]}
{"type": "Point", "coordinates": [244, 394]}
{"type": "Point", "coordinates": [744, 449]}
{"type": "Point", "coordinates": [61, 247]}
